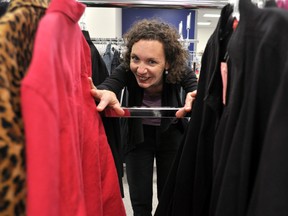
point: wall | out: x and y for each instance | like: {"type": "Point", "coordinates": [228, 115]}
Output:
{"type": "Point", "coordinates": [103, 22]}
{"type": "Point", "coordinates": [171, 16]}
{"type": "Point", "coordinates": [203, 34]}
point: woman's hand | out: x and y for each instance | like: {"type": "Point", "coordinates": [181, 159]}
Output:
{"type": "Point", "coordinates": [190, 97]}
{"type": "Point", "coordinates": [105, 98]}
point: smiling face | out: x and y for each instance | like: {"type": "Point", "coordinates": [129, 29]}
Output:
{"type": "Point", "coordinates": [148, 64]}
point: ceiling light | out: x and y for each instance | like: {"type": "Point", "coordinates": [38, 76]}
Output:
{"type": "Point", "coordinates": [204, 23]}
{"type": "Point", "coordinates": [212, 15]}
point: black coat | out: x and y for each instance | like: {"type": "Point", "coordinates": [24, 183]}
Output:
{"type": "Point", "coordinates": [188, 189]}
{"type": "Point", "coordinates": [251, 173]}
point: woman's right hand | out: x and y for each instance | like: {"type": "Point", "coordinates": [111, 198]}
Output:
{"type": "Point", "coordinates": [105, 98]}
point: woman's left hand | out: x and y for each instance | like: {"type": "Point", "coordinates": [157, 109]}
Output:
{"type": "Point", "coordinates": [190, 97]}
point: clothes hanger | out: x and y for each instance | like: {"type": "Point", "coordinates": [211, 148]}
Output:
{"type": "Point", "coordinates": [235, 13]}
{"type": "Point", "coordinates": [259, 3]}
{"type": "Point", "coordinates": [82, 22]}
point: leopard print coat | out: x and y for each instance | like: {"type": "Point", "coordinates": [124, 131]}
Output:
{"type": "Point", "coordinates": [17, 31]}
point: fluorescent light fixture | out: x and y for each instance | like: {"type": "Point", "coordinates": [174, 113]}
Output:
{"type": "Point", "coordinates": [212, 15]}
{"type": "Point", "coordinates": [204, 23]}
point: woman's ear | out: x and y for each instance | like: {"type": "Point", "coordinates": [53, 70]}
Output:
{"type": "Point", "coordinates": [167, 66]}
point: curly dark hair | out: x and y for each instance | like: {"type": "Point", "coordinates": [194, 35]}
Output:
{"type": "Point", "coordinates": [154, 29]}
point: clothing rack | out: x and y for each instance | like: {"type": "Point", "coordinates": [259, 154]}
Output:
{"type": "Point", "coordinates": [186, 42]}
{"type": "Point", "coordinates": [101, 43]}
{"type": "Point", "coordinates": [120, 41]}
{"type": "Point", "coordinates": [177, 4]}
{"type": "Point", "coordinates": [116, 41]}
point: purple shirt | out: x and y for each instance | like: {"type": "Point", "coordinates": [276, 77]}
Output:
{"type": "Point", "coordinates": [151, 101]}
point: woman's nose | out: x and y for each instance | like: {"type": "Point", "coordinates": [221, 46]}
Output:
{"type": "Point", "coordinates": [141, 69]}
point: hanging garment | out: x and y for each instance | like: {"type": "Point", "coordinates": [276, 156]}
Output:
{"type": "Point", "coordinates": [111, 125]}
{"type": "Point", "coordinates": [282, 4]}
{"type": "Point", "coordinates": [249, 179]}
{"type": "Point", "coordinates": [17, 31]}
{"type": "Point", "coordinates": [188, 188]}
{"type": "Point", "coordinates": [99, 70]}
{"type": "Point", "coordinates": [108, 57]}
{"type": "Point", "coordinates": [116, 61]}
{"type": "Point", "coordinates": [70, 167]}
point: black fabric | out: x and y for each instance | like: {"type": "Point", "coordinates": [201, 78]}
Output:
{"type": "Point", "coordinates": [251, 174]}
{"type": "Point", "coordinates": [250, 145]}
{"type": "Point", "coordinates": [3, 8]}
{"type": "Point", "coordinates": [188, 188]}
{"type": "Point", "coordinates": [270, 3]}
{"type": "Point", "coordinates": [270, 194]}
{"type": "Point", "coordinates": [252, 171]}
{"type": "Point", "coordinates": [111, 125]}
{"type": "Point", "coordinates": [99, 70]}
{"type": "Point", "coordinates": [140, 165]}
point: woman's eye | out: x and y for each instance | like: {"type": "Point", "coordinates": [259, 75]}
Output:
{"type": "Point", "coordinates": [134, 58]}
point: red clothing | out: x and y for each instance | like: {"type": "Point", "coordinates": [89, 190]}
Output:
{"type": "Point", "coordinates": [235, 24]}
{"type": "Point", "coordinates": [70, 168]}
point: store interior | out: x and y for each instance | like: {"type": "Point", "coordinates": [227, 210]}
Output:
{"type": "Point", "coordinates": [62, 155]}
{"type": "Point", "coordinates": [195, 29]}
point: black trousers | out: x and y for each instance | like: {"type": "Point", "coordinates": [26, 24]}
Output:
{"type": "Point", "coordinates": [140, 162]}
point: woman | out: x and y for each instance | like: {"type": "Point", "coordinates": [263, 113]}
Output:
{"type": "Point", "coordinates": [154, 69]}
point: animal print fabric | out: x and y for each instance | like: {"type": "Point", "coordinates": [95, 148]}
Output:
{"type": "Point", "coordinates": [17, 31]}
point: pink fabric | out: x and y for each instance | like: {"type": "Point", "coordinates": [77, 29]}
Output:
{"type": "Point", "coordinates": [282, 4]}
{"type": "Point", "coordinates": [224, 71]}
{"type": "Point", "coordinates": [70, 168]}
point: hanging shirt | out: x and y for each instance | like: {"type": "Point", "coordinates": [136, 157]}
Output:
{"type": "Point", "coordinates": [17, 31]}
{"type": "Point", "coordinates": [108, 57]}
{"type": "Point", "coordinates": [70, 167]}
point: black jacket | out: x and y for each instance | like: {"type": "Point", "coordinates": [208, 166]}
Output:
{"type": "Point", "coordinates": [251, 177]}
{"type": "Point", "coordinates": [170, 98]}
{"type": "Point", "coordinates": [188, 188]}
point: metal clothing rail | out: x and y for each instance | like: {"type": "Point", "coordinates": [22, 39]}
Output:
{"type": "Point", "coordinates": [118, 41]}
{"type": "Point", "coordinates": [144, 112]}
{"type": "Point", "coordinates": [121, 40]}
{"type": "Point", "coordinates": [176, 4]}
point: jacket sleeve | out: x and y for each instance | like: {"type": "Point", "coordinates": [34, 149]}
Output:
{"type": "Point", "coordinates": [189, 82]}
{"type": "Point", "coordinates": [116, 81]}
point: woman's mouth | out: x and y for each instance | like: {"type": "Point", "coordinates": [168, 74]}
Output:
{"type": "Point", "coordinates": [141, 78]}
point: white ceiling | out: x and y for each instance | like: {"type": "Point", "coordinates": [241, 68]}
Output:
{"type": "Point", "coordinates": [212, 20]}
{"type": "Point", "coordinates": [218, 5]}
